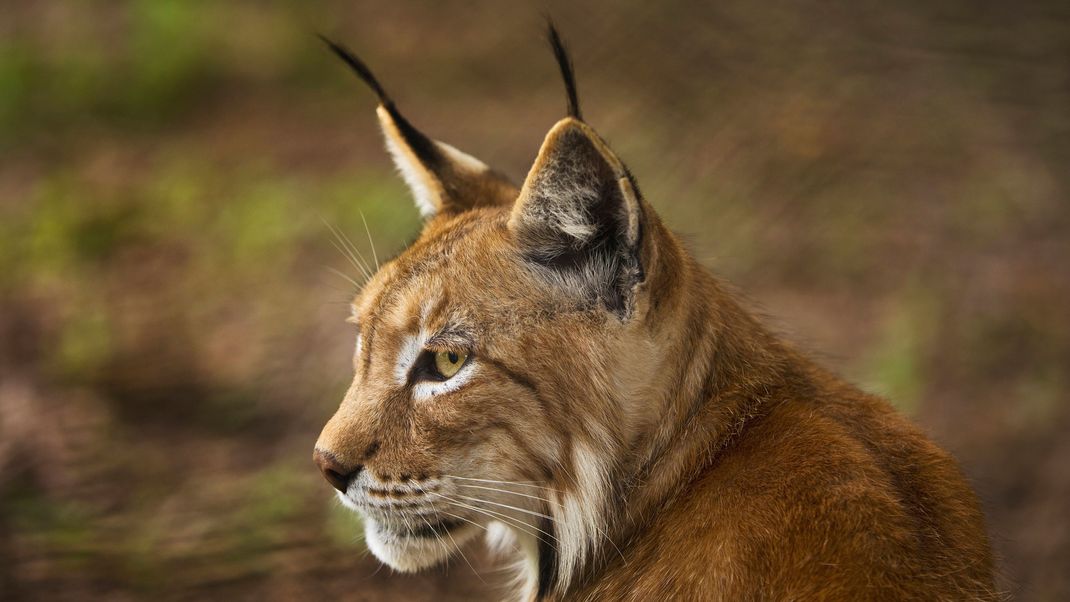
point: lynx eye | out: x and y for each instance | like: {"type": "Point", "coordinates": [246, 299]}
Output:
{"type": "Point", "coordinates": [447, 363]}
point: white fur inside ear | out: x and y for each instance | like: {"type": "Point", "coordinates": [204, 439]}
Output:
{"type": "Point", "coordinates": [415, 176]}
{"type": "Point", "coordinates": [563, 194]}
{"type": "Point", "coordinates": [570, 217]}
{"type": "Point", "coordinates": [462, 159]}
{"type": "Point", "coordinates": [426, 187]}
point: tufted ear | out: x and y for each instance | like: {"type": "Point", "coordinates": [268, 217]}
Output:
{"type": "Point", "coordinates": [579, 215]}
{"type": "Point", "coordinates": [443, 180]}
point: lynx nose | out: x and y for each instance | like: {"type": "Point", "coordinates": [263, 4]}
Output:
{"type": "Point", "coordinates": [337, 474]}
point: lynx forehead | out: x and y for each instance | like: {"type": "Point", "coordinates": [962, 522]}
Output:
{"type": "Point", "coordinates": [548, 367]}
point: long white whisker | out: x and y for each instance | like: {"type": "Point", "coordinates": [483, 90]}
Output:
{"type": "Point", "coordinates": [458, 517]}
{"type": "Point", "coordinates": [409, 529]}
{"type": "Point", "coordinates": [371, 243]}
{"type": "Point", "coordinates": [456, 545]}
{"type": "Point", "coordinates": [487, 513]}
{"type": "Point", "coordinates": [353, 247]}
{"type": "Point", "coordinates": [517, 483]}
{"type": "Point", "coordinates": [344, 276]}
{"type": "Point", "coordinates": [352, 260]}
{"type": "Point", "coordinates": [526, 484]}
{"type": "Point", "coordinates": [435, 533]}
{"type": "Point", "coordinates": [500, 505]}
{"type": "Point", "coordinates": [349, 250]}
{"type": "Point", "coordinates": [509, 520]}
{"type": "Point", "coordinates": [534, 497]}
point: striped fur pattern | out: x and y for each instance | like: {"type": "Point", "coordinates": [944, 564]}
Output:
{"type": "Point", "coordinates": [622, 425]}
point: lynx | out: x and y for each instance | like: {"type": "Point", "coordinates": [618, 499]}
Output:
{"type": "Point", "coordinates": [548, 368]}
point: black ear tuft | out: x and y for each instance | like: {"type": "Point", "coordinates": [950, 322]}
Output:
{"type": "Point", "coordinates": [358, 67]}
{"type": "Point", "coordinates": [421, 145]}
{"type": "Point", "coordinates": [442, 178]}
{"type": "Point", "coordinates": [567, 73]}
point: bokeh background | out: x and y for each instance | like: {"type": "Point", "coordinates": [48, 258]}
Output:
{"type": "Point", "coordinates": [887, 180]}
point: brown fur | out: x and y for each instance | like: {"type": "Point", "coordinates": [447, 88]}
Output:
{"type": "Point", "coordinates": [678, 449]}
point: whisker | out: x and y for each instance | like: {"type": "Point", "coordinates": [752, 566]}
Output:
{"type": "Point", "coordinates": [347, 249]}
{"type": "Point", "coordinates": [371, 243]}
{"type": "Point", "coordinates": [456, 545]}
{"type": "Point", "coordinates": [409, 529]}
{"type": "Point", "coordinates": [480, 511]}
{"type": "Point", "coordinates": [517, 483]}
{"type": "Point", "coordinates": [534, 497]}
{"type": "Point", "coordinates": [352, 260]}
{"type": "Point", "coordinates": [435, 533]}
{"type": "Point", "coordinates": [526, 484]}
{"type": "Point", "coordinates": [531, 512]}
{"type": "Point", "coordinates": [355, 257]}
{"type": "Point", "coordinates": [458, 517]}
{"type": "Point", "coordinates": [353, 247]}
{"type": "Point", "coordinates": [344, 276]}
{"type": "Point", "coordinates": [509, 520]}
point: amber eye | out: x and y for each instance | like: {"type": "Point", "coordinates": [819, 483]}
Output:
{"type": "Point", "coordinates": [447, 363]}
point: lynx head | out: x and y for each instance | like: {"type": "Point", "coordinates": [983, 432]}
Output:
{"type": "Point", "coordinates": [504, 361]}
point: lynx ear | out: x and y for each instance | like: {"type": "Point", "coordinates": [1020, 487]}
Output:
{"type": "Point", "coordinates": [443, 180]}
{"type": "Point", "coordinates": [579, 213]}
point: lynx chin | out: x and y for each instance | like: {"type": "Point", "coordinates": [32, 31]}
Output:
{"type": "Point", "coordinates": [549, 369]}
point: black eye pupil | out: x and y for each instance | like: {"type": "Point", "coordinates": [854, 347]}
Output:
{"type": "Point", "coordinates": [452, 357]}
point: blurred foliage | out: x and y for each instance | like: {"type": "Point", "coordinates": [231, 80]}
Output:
{"type": "Point", "coordinates": [137, 63]}
{"type": "Point", "coordinates": [886, 178]}
{"type": "Point", "coordinates": [896, 360]}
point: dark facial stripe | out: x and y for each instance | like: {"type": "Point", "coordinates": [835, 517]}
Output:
{"type": "Point", "coordinates": [387, 295]}
{"type": "Point", "coordinates": [694, 348]}
{"type": "Point", "coordinates": [547, 560]}
{"type": "Point", "coordinates": [549, 411]}
{"type": "Point", "coordinates": [516, 377]}
{"type": "Point", "coordinates": [436, 313]}
{"type": "Point", "coordinates": [542, 468]}
{"type": "Point", "coordinates": [367, 339]}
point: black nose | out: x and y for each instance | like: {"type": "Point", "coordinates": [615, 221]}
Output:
{"type": "Point", "coordinates": [336, 473]}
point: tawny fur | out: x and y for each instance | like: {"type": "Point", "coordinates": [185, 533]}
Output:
{"type": "Point", "coordinates": [626, 424]}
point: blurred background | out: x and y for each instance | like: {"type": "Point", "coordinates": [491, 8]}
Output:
{"type": "Point", "coordinates": [887, 180]}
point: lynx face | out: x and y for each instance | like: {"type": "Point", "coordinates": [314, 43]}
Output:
{"type": "Point", "coordinates": [498, 360]}
{"type": "Point", "coordinates": [459, 351]}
